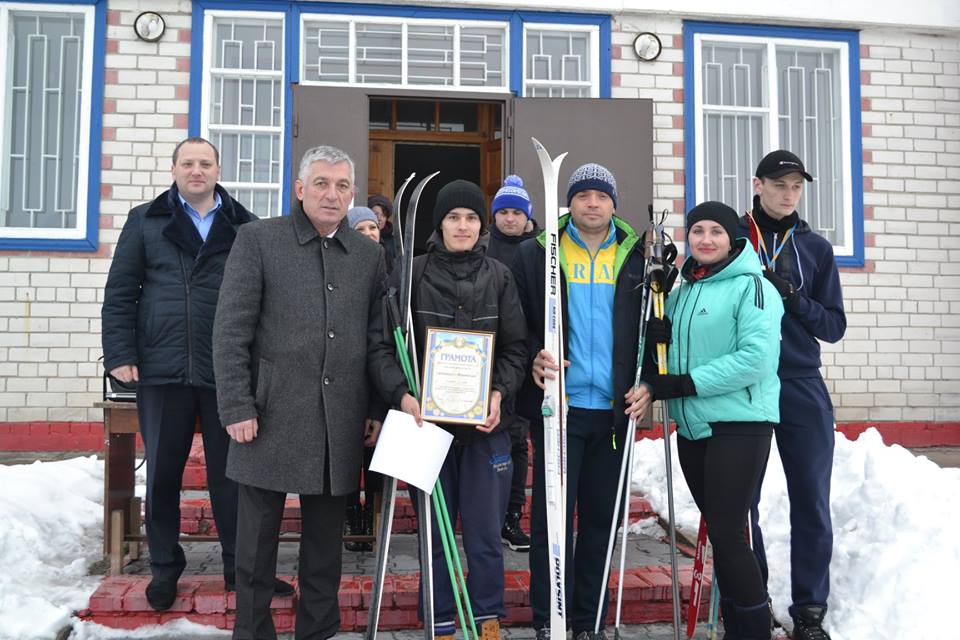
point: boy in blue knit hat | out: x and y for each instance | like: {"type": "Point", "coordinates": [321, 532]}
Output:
{"type": "Point", "coordinates": [513, 224]}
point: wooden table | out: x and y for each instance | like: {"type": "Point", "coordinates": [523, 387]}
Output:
{"type": "Point", "coordinates": [121, 507]}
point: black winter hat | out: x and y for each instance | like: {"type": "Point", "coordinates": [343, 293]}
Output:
{"type": "Point", "coordinates": [717, 212]}
{"type": "Point", "coordinates": [460, 193]}
{"type": "Point", "coordinates": [382, 201]}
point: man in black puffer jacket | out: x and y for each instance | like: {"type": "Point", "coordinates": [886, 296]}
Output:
{"type": "Point", "coordinates": [158, 311]}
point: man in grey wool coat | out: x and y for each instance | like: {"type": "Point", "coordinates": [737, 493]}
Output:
{"type": "Point", "coordinates": [299, 306]}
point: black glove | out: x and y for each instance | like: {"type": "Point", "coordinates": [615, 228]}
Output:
{"type": "Point", "coordinates": [784, 287]}
{"type": "Point", "coordinates": [669, 386]}
{"type": "Point", "coordinates": [659, 331]}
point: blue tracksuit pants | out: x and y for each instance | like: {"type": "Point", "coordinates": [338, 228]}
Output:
{"type": "Point", "coordinates": [805, 439]}
{"type": "Point", "coordinates": [476, 484]}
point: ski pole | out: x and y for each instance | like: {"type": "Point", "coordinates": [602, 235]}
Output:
{"type": "Point", "coordinates": [714, 607]}
{"type": "Point", "coordinates": [444, 524]}
{"type": "Point", "coordinates": [657, 283]}
{"type": "Point", "coordinates": [623, 484]}
{"type": "Point", "coordinates": [390, 483]}
{"type": "Point", "coordinates": [446, 531]}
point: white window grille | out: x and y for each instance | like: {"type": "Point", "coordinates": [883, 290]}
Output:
{"type": "Point", "coordinates": [389, 51]}
{"type": "Point", "coordinates": [243, 104]}
{"type": "Point", "coordinates": [753, 95]}
{"type": "Point", "coordinates": [46, 64]}
{"type": "Point", "coordinates": [561, 61]}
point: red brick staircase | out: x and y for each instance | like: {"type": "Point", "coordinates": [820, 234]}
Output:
{"type": "Point", "coordinates": [120, 600]}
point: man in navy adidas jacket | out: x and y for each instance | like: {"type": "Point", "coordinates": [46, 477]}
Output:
{"type": "Point", "coordinates": [800, 264]}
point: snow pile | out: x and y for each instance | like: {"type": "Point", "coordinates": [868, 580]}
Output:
{"type": "Point", "coordinates": [51, 522]}
{"type": "Point", "coordinates": [895, 550]}
{"type": "Point", "coordinates": [179, 628]}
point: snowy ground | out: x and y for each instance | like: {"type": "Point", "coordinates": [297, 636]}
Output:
{"type": "Point", "coordinates": [896, 548]}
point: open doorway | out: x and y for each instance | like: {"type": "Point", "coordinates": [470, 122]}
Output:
{"type": "Point", "coordinates": [453, 161]}
{"type": "Point", "coordinates": [458, 138]}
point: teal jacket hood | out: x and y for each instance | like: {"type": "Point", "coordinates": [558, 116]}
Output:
{"type": "Point", "coordinates": [726, 336]}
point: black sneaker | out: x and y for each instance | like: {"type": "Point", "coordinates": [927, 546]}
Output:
{"type": "Point", "coordinates": [161, 594]}
{"type": "Point", "coordinates": [353, 526]}
{"type": "Point", "coordinates": [589, 635]}
{"type": "Point", "coordinates": [512, 535]}
{"type": "Point", "coordinates": [808, 623]}
{"type": "Point", "coordinates": [543, 633]}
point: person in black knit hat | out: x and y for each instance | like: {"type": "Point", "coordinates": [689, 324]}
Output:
{"type": "Point", "coordinates": [800, 264]}
{"type": "Point", "coordinates": [456, 286]}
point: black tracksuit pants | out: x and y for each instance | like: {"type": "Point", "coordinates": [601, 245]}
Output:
{"type": "Point", "coordinates": [593, 468]}
{"type": "Point", "coordinates": [722, 472]}
{"type": "Point", "coordinates": [168, 414]}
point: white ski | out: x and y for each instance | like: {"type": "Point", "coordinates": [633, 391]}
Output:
{"type": "Point", "coordinates": [554, 402]}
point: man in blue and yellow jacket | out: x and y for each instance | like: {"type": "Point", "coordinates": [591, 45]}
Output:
{"type": "Point", "coordinates": [602, 271]}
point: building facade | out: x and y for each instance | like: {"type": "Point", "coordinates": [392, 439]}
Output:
{"type": "Point", "coordinates": [685, 98]}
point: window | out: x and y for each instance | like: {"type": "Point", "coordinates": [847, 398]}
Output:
{"type": "Point", "coordinates": [244, 102]}
{"type": "Point", "coordinates": [756, 89]}
{"type": "Point", "coordinates": [373, 50]}
{"type": "Point", "coordinates": [247, 57]}
{"type": "Point", "coordinates": [46, 88]}
{"type": "Point", "coordinates": [560, 62]}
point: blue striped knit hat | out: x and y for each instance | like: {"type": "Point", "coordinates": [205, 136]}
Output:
{"type": "Point", "coordinates": [512, 195]}
{"type": "Point", "coordinates": [592, 176]}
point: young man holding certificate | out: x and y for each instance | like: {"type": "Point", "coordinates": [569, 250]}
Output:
{"type": "Point", "coordinates": [471, 336]}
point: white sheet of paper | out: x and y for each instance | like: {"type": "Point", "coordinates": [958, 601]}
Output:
{"type": "Point", "coordinates": [411, 453]}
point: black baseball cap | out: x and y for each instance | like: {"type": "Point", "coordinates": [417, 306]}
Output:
{"type": "Point", "coordinates": [780, 163]}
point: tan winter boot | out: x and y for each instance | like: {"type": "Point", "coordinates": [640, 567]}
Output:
{"type": "Point", "coordinates": [490, 629]}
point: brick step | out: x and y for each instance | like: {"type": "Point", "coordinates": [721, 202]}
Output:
{"type": "Point", "coordinates": [196, 515]}
{"type": "Point", "coordinates": [195, 473]}
{"type": "Point", "coordinates": [120, 602]}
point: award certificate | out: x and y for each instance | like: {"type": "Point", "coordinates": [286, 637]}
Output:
{"type": "Point", "coordinates": [457, 372]}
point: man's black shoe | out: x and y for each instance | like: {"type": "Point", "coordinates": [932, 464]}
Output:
{"type": "Point", "coordinates": [161, 593]}
{"type": "Point", "coordinates": [280, 588]}
{"type": "Point", "coordinates": [512, 535]}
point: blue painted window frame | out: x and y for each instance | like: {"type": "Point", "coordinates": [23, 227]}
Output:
{"type": "Point", "coordinates": [852, 40]}
{"type": "Point", "coordinates": [293, 11]}
{"type": "Point", "coordinates": [91, 241]}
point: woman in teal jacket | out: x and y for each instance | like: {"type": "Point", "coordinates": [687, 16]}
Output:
{"type": "Point", "coordinates": [723, 326]}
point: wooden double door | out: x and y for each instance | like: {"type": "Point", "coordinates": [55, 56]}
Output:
{"type": "Point", "coordinates": [479, 137]}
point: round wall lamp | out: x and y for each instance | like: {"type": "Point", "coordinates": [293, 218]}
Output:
{"type": "Point", "coordinates": [149, 26]}
{"type": "Point", "coordinates": [647, 46]}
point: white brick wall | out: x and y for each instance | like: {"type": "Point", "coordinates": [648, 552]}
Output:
{"type": "Point", "coordinates": [899, 361]}
{"type": "Point", "coordinates": [50, 302]}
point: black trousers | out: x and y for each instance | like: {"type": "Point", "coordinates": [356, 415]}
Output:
{"type": "Point", "coordinates": [805, 440]}
{"type": "Point", "coordinates": [593, 468]}
{"type": "Point", "coordinates": [167, 416]}
{"type": "Point", "coordinates": [318, 610]}
{"type": "Point", "coordinates": [519, 428]}
{"type": "Point", "coordinates": [723, 472]}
